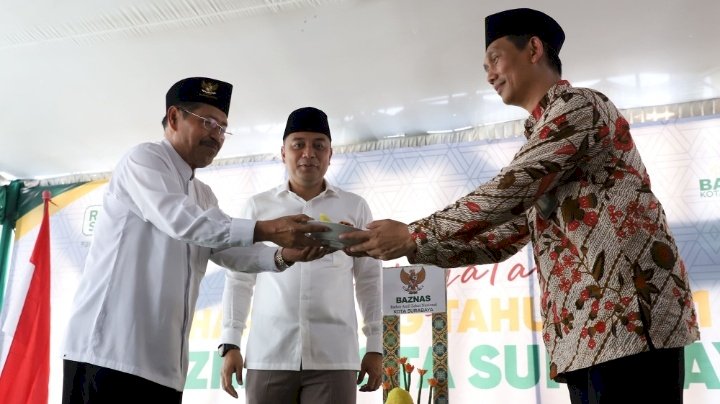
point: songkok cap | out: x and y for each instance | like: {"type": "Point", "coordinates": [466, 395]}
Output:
{"type": "Point", "coordinates": [200, 89]}
{"type": "Point", "coordinates": [524, 21]}
{"type": "Point", "coordinates": [307, 119]}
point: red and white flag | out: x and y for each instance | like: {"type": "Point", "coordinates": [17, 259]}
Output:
{"type": "Point", "coordinates": [25, 375]}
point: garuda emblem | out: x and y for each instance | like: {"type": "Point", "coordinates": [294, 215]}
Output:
{"type": "Point", "coordinates": [208, 88]}
{"type": "Point", "coordinates": [412, 280]}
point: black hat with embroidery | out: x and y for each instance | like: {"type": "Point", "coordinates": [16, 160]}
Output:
{"type": "Point", "coordinates": [524, 21]}
{"type": "Point", "coordinates": [200, 89]}
{"type": "Point", "coordinates": [307, 119]}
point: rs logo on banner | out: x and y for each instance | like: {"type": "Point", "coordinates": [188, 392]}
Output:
{"type": "Point", "coordinates": [90, 219]}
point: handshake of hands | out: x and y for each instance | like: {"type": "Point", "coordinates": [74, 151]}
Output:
{"type": "Point", "coordinates": [384, 239]}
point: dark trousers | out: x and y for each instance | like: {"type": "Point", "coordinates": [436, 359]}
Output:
{"type": "Point", "coordinates": [84, 383]}
{"type": "Point", "coordinates": [656, 376]}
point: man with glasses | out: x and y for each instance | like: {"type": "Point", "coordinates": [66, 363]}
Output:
{"type": "Point", "coordinates": [128, 332]}
{"type": "Point", "coordinates": [209, 123]}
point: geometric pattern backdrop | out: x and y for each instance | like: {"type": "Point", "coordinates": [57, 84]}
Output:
{"type": "Point", "coordinates": [495, 351]}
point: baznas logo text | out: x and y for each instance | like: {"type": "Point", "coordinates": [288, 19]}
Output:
{"type": "Point", "coordinates": [709, 187]}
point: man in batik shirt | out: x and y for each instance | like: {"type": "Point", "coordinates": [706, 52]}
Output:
{"type": "Point", "coordinates": [615, 296]}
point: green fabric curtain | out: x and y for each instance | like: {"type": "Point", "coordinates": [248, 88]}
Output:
{"type": "Point", "coordinates": [3, 191]}
{"type": "Point", "coordinates": [9, 202]}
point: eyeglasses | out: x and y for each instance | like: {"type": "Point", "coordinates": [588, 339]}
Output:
{"type": "Point", "coordinates": [210, 123]}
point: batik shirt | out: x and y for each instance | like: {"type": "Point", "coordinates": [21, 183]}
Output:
{"type": "Point", "coordinates": [611, 281]}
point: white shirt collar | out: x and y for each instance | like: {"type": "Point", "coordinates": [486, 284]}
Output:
{"type": "Point", "coordinates": [186, 173]}
{"type": "Point", "coordinates": [330, 189]}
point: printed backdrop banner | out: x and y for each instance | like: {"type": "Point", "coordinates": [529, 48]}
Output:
{"type": "Point", "coordinates": [496, 352]}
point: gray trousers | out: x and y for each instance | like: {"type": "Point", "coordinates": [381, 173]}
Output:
{"type": "Point", "coordinates": [301, 387]}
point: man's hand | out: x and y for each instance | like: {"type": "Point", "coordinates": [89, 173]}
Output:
{"type": "Point", "coordinates": [306, 254]}
{"type": "Point", "coordinates": [372, 366]}
{"type": "Point", "coordinates": [385, 239]}
{"type": "Point", "coordinates": [288, 231]}
{"type": "Point", "coordinates": [232, 363]}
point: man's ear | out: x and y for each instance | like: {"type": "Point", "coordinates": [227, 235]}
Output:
{"type": "Point", "coordinates": [172, 117]}
{"type": "Point", "coordinates": [282, 153]}
{"type": "Point", "coordinates": [537, 49]}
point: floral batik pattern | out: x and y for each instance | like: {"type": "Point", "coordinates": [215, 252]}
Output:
{"type": "Point", "coordinates": [611, 280]}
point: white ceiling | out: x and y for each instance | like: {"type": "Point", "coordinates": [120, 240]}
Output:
{"type": "Point", "coordinates": [83, 80]}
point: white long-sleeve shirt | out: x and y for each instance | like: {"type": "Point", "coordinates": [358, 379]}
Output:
{"type": "Point", "coordinates": [135, 301]}
{"type": "Point", "coordinates": [306, 315]}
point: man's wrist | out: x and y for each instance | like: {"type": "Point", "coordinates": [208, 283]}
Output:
{"type": "Point", "coordinates": [280, 263]}
{"type": "Point", "coordinates": [258, 232]}
{"type": "Point", "coordinates": [410, 248]}
{"type": "Point", "coordinates": [223, 349]}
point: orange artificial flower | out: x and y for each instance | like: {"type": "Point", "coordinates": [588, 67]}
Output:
{"type": "Point", "coordinates": [433, 382]}
{"type": "Point", "coordinates": [402, 360]}
{"type": "Point", "coordinates": [390, 371]}
{"type": "Point", "coordinates": [420, 384]}
{"type": "Point", "coordinates": [409, 368]}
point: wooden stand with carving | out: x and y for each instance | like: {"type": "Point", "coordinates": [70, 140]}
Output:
{"type": "Point", "coordinates": [391, 353]}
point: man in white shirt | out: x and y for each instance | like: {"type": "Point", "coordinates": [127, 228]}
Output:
{"type": "Point", "coordinates": [128, 332]}
{"type": "Point", "coordinates": [303, 343]}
